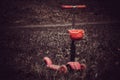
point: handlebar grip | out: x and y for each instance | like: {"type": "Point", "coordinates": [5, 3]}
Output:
{"type": "Point", "coordinates": [67, 6]}
{"type": "Point", "coordinates": [81, 6]}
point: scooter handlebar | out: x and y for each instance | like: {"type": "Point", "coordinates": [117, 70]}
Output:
{"type": "Point", "coordinates": [73, 6]}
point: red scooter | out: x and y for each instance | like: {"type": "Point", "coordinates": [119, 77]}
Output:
{"type": "Point", "coordinates": [75, 35]}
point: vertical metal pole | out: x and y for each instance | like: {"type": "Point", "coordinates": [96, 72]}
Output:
{"type": "Point", "coordinates": [72, 51]}
{"type": "Point", "coordinates": [72, 46]}
{"type": "Point", "coordinates": [73, 19]}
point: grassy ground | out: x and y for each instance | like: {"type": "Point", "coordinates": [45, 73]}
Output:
{"type": "Point", "coordinates": [50, 12]}
{"type": "Point", "coordinates": [22, 51]}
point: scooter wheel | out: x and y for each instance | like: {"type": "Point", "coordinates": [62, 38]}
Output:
{"type": "Point", "coordinates": [83, 66]}
{"type": "Point", "coordinates": [74, 65]}
{"type": "Point", "coordinates": [63, 69]}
